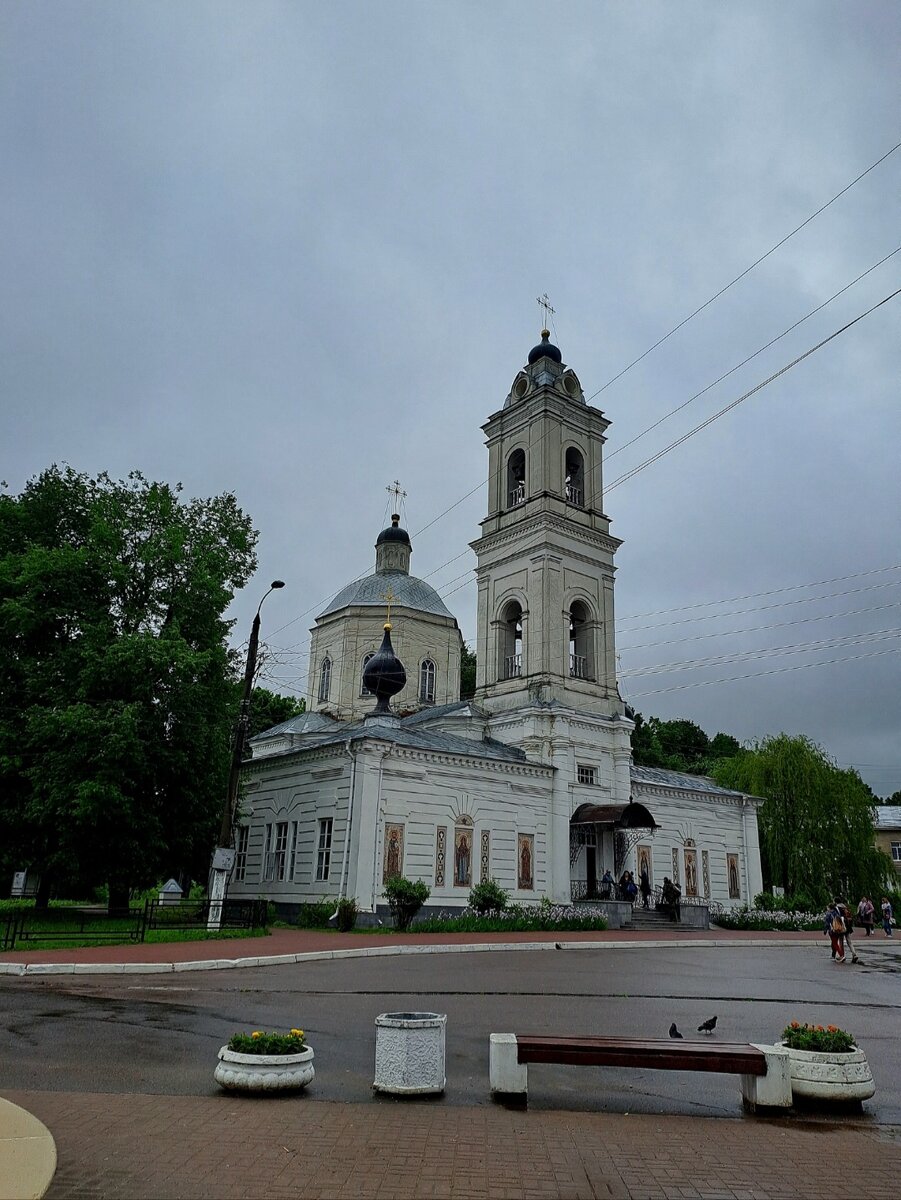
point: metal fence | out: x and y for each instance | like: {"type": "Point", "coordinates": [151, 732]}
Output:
{"type": "Point", "coordinates": [30, 927]}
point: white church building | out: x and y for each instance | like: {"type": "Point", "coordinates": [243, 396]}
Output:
{"type": "Point", "coordinates": [531, 782]}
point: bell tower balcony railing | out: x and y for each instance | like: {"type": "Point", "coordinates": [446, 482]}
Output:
{"type": "Point", "coordinates": [512, 666]}
{"type": "Point", "coordinates": [573, 495]}
{"type": "Point", "coordinates": [518, 495]}
{"type": "Point", "coordinates": [577, 666]}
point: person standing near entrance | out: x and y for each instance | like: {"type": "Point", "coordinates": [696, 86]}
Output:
{"type": "Point", "coordinates": [607, 882]}
{"type": "Point", "coordinates": [645, 888]}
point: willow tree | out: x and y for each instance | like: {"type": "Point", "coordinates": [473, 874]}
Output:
{"type": "Point", "coordinates": [116, 676]}
{"type": "Point", "coordinates": [816, 822]}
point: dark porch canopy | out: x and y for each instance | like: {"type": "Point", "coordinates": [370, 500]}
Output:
{"type": "Point", "coordinates": [617, 816]}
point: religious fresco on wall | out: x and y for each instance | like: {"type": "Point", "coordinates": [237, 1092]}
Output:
{"type": "Point", "coordinates": [676, 875]}
{"type": "Point", "coordinates": [525, 860]}
{"type": "Point", "coordinates": [440, 854]}
{"type": "Point", "coordinates": [643, 859]}
{"type": "Point", "coordinates": [705, 872]}
{"type": "Point", "coordinates": [393, 858]}
{"type": "Point", "coordinates": [733, 876]}
{"type": "Point", "coordinates": [463, 856]}
{"type": "Point", "coordinates": [691, 872]}
{"type": "Point", "coordinates": [485, 857]}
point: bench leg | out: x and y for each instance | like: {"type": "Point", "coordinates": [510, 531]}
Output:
{"type": "Point", "coordinates": [773, 1090]}
{"type": "Point", "coordinates": [509, 1079]}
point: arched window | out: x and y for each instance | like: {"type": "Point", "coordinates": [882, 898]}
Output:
{"type": "Point", "coordinates": [510, 642]}
{"type": "Point", "coordinates": [364, 690]}
{"type": "Point", "coordinates": [581, 664]}
{"type": "Point", "coordinates": [325, 678]}
{"type": "Point", "coordinates": [516, 478]}
{"type": "Point", "coordinates": [575, 477]}
{"type": "Point", "coordinates": [427, 681]}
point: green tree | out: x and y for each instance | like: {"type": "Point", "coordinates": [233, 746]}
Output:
{"type": "Point", "coordinates": [467, 673]}
{"type": "Point", "coordinates": [268, 709]}
{"type": "Point", "coordinates": [114, 754]}
{"type": "Point", "coordinates": [816, 822]}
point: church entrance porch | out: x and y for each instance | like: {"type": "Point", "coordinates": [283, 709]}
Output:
{"type": "Point", "coordinates": [601, 839]}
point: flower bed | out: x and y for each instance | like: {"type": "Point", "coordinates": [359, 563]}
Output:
{"type": "Point", "coordinates": [267, 1043]}
{"type": "Point", "coordinates": [516, 918]}
{"type": "Point", "coordinates": [826, 1039]}
{"type": "Point", "coordinates": [757, 918]}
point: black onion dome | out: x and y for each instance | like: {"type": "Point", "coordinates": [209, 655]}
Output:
{"type": "Point", "coordinates": [545, 349]}
{"type": "Point", "coordinates": [384, 674]}
{"type": "Point", "coordinates": [393, 533]}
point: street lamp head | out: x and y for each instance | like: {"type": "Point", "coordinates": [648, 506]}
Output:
{"type": "Point", "coordinates": [277, 583]}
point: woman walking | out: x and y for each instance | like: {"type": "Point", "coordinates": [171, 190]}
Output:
{"type": "Point", "coordinates": [834, 926]}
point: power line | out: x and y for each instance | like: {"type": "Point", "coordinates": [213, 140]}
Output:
{"type": "Point", "coordinates": [744, 362]}
{"type": "Point", "coordinates": [627, 475]}
{"type": "Point", "coordinates": [754, 264]}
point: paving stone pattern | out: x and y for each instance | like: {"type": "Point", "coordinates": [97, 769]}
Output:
{"type": "Point", "coordinates": [133, 1147]}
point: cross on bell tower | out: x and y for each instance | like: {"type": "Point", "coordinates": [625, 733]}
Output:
{"type": "Point", "coordinates": [545, 557]}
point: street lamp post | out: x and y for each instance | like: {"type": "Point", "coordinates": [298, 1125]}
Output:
{"type": "Point", "coordinates": [224, 854]}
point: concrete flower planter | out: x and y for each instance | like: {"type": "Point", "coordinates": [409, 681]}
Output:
{"type": "Point", "coordinates": [830, 1078]}
{"type": "Point", "coordinates": [409, 1053]}
{"type": "Point", "coordinates": [263, 1072]}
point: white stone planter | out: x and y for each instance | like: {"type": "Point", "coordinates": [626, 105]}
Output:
{"type": "Point", "coordinates": [830, 1077]}
{"type": "Point", "coordinates": [263, 1072]}
{"type": "Point", "coordinates": [409, 1053]}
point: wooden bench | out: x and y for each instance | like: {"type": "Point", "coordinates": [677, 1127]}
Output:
{"type": "Point", "coordinates": [764, 1070]}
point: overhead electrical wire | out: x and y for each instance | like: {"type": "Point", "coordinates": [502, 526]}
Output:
{"type": "Point", "coordinates": [746, 271]}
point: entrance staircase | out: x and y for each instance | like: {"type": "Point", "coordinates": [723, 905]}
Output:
{"type": "Point", "coordinates": [649, 920]}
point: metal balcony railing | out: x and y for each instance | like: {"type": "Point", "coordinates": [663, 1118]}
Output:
{"type": "Point", "coordinates": [573, 494]}
{"type": "Point", "coordinates": [518, 495]}
{"type": "Point", "coordinates": [577, 666]}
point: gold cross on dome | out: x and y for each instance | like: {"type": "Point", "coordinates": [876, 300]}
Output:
{"type": "Point", "coordinates": [395, 490]}
{"type": "Point", "coordinates": [545, 305]}
{"type": "Point", "coordinates": [389, 598]}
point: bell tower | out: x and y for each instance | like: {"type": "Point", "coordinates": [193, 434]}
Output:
{"type": "Point", "coordinates": [545, 556]}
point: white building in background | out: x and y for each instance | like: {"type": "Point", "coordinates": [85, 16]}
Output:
{"type": "Point", "coordinates": [531, 782]}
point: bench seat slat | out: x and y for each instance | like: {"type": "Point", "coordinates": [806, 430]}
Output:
{"type": "Point", "coordinates": [662, 1054]}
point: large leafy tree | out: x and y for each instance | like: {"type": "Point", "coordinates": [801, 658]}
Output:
{"type": "Point", "coordinates": [816, 823]}
{"type": "Point", "coordinates": [268, 709]}
{"type": "Point", "coordinates": [467, 673]}
{"type": "Point", "coordinates": [679, 745]}
{"type": "Point", "coordinates": [114, 666]}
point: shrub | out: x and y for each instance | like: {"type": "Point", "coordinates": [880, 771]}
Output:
{"type": "Point", "coordinates": [488, 897]}
{"type": "Point", "coordinates": [347, 914]}
{"type": "Point", "coordinates": [762, 919]}
{"type": "Point", "coordinates": [827, 1039]}
{"type": "Point", "coordinates": [268, 1043]}
{"type": "Point", "coordinates": [516, 918]}
{"type": "Point", "coordinates": [314, 916]}
{"type": "Point", "coordinates": [405, 898]}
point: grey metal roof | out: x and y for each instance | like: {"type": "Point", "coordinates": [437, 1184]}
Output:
{"type": "Point", "coordinates": [888, 816]}
{"type": "Point", "coordinates": [659, 777]}
{"type": "Point", "coordinates": [409, 592]}
{"type": "Point", "coordinates": [437, 711]}
{"type": "Point", "coordinates": [420, 739]}
{"type": "Point", "coordinates": [303, 723]}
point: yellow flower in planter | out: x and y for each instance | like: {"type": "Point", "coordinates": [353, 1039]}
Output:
{"type": "Point", "coordinates": [256, 1034]}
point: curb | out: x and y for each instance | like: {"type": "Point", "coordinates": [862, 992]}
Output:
{"type": "Point", "coordinates": [30, 970]}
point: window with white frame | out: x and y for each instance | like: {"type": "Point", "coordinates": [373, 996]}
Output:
{"type": "Point", "coordinates": [364, 690]}
{"type": "Point", "coordinates": [292, 860]}
{"type": "Point", "coordinates": [268, 856]}
{"type": "Point", "coordinates": [324, 850]}
{"type": "Point", "coordinates": [325, 679]}
{"type": "Point", "coordinates": [896, 851]}
{"type": "Point", "coordinates": [586, 774]}
{"type": "Point", "coordinates": [280, 853]}
{"type": "Point", "coordinates": [427, 681]}
{"type": "Point", "coordinates": [242, 833]}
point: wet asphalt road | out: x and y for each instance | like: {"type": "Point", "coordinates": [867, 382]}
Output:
{"type": "Point", "coordinates": [160, 1034]}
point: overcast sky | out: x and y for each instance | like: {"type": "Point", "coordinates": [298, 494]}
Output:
{"type": "Point", "coordinates": [292, 250]}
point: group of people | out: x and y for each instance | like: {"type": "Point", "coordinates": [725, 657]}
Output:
{"type": "Point", "coordinates": [629, 889]}
{"type": "Point", "coordinates": [838, 924]}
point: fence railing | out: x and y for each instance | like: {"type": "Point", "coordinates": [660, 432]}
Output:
{"type": "Point", "coordinates": [29, 927]}
{"type": "Point", "coordinates": [513, 666]}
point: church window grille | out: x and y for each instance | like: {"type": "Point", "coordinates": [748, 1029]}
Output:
{"type": "Point", "coordinates": [325, 679]}
{"type": "Point", "coordinates": [324, 850]}
{"type": "Point", "coordinates": [364, 690]}
{"type": "Point", "coordinates": [485, 857]}
{"type": "Point", "coordinates": [440, 854]}
{"type": "Point", "coordinates": [511, 642]}
{"type": "Point", "coordinates": [292, 861]}
{"type": "Point", "coordinates": [516, 478]}
{"type": "Point", "coordinates": [242, 833]}
{"type": "Point", "coordinates": [575, 478]}
{"type": "Point", "coordinates": [427, 681]}
{"type": "Point", "coordinates": [581, 665]}
{"type": "Point", "coordinates": [588, 775]}
{"type": "Point", "coordinates": [280, 853]}
{"type": "Point", "coordinates": [268, 856]}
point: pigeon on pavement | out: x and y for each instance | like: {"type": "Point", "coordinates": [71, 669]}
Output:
{"type": "Point", "coordinates": [707, 1026]}
{"type": "Point", "coordinates": [673, 1031]}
